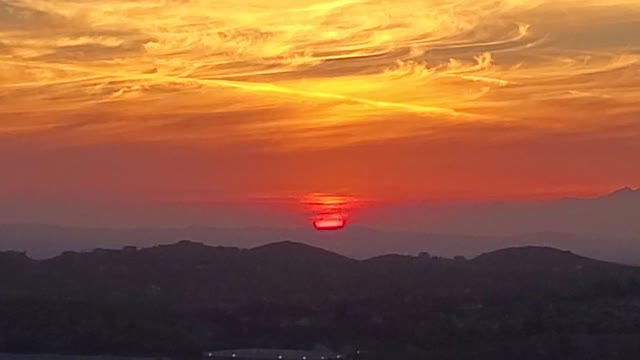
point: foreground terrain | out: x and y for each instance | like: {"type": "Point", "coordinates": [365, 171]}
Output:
{"type": "Point", "coordinates": [524, 303]}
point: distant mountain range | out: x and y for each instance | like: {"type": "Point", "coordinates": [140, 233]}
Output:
{"type": "Point", "coordinates": [612, 215]}
{"type": "Point", "coordinates": [45, 241]}
{"type": "Point", "coordinates": [606, 227]}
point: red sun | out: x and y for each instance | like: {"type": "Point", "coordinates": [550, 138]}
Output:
{"type": "Point", "coordinates": [329, 222]}
{"type": "Point", "coordinates": [328, 212]}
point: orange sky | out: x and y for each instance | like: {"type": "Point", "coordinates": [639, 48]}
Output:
{"type": "Point", "coordinates": [220, 100]}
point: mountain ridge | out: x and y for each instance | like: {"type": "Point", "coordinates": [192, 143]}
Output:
{"type": "Point", "coordinates": [284, 248]}
{"type": "Point", "coordinates": [303, 272]}
{"type": "Point", "coordinates": [354, 242]}
{"type": "Point", "coordinates": [189, 296]}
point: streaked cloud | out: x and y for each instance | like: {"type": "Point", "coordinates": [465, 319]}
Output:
{"type": "Point", "coordinates": [141, 69]}
{"type": "Point", "coordinates": [410, 99]}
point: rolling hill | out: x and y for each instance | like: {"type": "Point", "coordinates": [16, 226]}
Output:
{"type": "Point", "coordinates": [184, 297]}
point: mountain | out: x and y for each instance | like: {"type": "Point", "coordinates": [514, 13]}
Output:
{"type": "Point", "coordinates": [185, 297]}
{"type": "Point", "coordinates": [45, 241]}
{"type": "Point", "coordinates": [193, 273]}
{"type": "Point", "coordinates": [534, 258]}
{"type": "Point", "coordinates": [604, 227]}
{"type": "Point", "coordinates": [612, 215]}
{"type": "Point", "coordinates": [625, 193]}
{"type": "Point", "coordinates": [299, 252]}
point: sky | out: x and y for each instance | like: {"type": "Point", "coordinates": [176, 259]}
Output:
{"type": "Point", "coordinates": [261, 102]}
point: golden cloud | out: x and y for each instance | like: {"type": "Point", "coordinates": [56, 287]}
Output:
{"type": "Point", "coordinates": [313, 73]}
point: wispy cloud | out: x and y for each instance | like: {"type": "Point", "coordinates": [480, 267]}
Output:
{"type": "Point", "coordinates": [313, 73]}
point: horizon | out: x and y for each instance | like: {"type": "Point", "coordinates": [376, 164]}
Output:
{"type": "Point", "coordinates": [302, 245]}
{"type": "Point", "coordinates": [600, 227]}
{"type": "Point", "coordinates": [288, 206]}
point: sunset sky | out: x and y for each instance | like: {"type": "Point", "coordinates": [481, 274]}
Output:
{"type": "Point", "coordinates": [257, 101]}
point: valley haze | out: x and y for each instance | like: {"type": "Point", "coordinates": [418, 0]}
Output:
{"type": "Point", "coordinates": [604, 227]}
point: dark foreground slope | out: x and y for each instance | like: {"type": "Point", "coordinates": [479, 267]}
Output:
{"type": "Point", "coordinates": [525, 303]}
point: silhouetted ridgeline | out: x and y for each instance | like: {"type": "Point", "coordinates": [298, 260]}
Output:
{"type": "Point", "coordinates": [186, 297]}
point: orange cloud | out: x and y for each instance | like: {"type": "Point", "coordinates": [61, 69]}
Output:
{"type": "Point", "coordinates": [299, 76]}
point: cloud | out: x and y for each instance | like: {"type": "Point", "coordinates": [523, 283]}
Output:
{"type": "Point", "coordinates": [313, 73]}
{"type": "Point", "coordinates": [16, 17]}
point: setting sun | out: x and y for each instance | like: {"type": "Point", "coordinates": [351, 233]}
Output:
{"type": "Point", "coordinates": [329, 211]}
{"type": "Point", "coordinates": [330, 221]}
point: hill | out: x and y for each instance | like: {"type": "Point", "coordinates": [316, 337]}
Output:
{"type": "Point", "coordinates": [45, 241]}
{"type": "Point", "coordinates": [193, 273]}
{"type": "Point", "coordinates": [534, 258]}
{"type": "Point", "coordinates": [132, 301]}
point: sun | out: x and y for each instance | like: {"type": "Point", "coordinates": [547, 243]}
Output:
{"type": "Point", "coordinates": [330, 221]}
{"type": "Point", "coordinates": [328, 211]}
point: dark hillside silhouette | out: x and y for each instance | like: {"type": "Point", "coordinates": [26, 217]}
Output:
{"type": "Point", "coordinates": [185, 297]}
